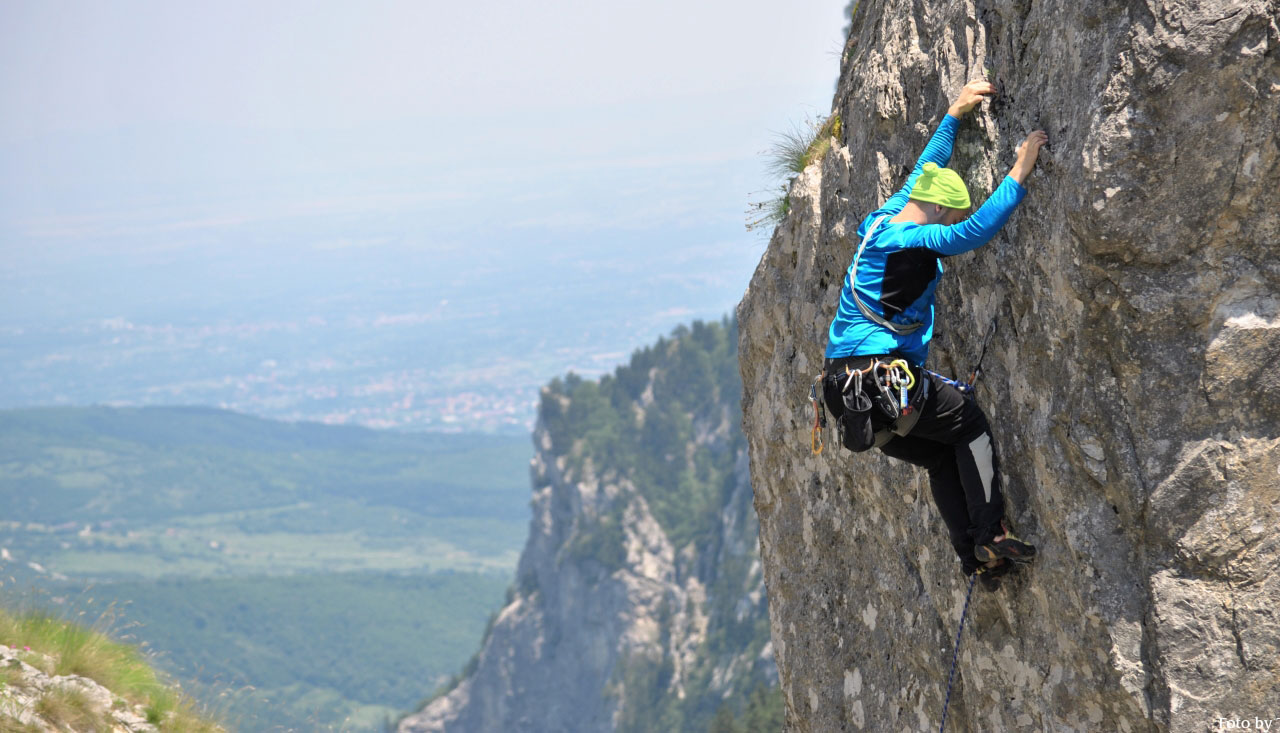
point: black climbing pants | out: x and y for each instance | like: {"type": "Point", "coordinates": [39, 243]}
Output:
{"type": "Point", "coordinates": [952, 441]}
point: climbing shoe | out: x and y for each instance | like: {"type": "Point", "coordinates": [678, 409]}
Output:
{"type": "Point", "coordinates": [990, 576]}
{"type": "Point", "coordinates": [1007, 546]}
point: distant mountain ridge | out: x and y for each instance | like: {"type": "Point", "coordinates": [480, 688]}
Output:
{"type": "Point", "coordinates": [639, 603]}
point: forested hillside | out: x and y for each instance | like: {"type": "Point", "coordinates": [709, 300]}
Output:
{"type": "Point", "coordinates": [651, 422]}
{"type": "Point", "coordinates": [639, 423]}
{"type": "Point", "coordinates": [638, 603]}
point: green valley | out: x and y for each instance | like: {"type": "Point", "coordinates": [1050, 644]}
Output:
{"type": "Point", "coordinates": [295, 576]}
{"type": "Point", "coordinates": [343, 651]}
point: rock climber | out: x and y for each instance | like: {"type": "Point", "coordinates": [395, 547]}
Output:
{"type": "Point", "coordinates": [874, 383]}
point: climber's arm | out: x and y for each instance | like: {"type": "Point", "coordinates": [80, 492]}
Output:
{"type": "Point", "coordinates": [937, 151]}
{"type": "Point", "coordinates": [939, 148]}
{"type": "Point", "coordinates": [979, 228]}
{"type": "Point", "coordinates": [973, 93]}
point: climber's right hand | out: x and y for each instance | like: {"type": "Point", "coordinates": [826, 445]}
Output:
{"type": "Point", "coordinates": [1028, 152]}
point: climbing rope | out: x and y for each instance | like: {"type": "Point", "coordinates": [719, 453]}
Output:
{"type": "Point", "coordinates": [956, 654]}
{"type": "Point", "coordinates": [964, 388]}
{"type": "Point", "coordinates": [967, 388]}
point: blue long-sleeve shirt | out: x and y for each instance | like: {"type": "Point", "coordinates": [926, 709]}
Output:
{"type": "Point", "coordinates": [900, 266]}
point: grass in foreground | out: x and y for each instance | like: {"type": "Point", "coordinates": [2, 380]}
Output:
{"type": "Point", "coordinates": [69, 709]}
{"type": "Point", "coordinates": [76, 650]}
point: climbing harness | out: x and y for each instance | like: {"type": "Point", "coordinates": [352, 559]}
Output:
{"type": "Point", "coordinates": [893, 381]}
{"type": "Point", "coordinates": [951, 678]}
{"type": "Point", "coordinates": [885, 385]}
{"type": "Point", "coordinates": [902, 329]}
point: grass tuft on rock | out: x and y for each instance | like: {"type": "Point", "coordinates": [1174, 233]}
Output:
{"type": "Point", "coordinates": [79, 650]}
{"type": "Point", "coordinates": [59, 647]}
{"type": "Point", "coordinates": [792, 152]}
{"type": "Point", "coordinates": [69, 709]}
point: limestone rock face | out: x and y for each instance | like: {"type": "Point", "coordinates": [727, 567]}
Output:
{"type": "Point", "coordinates": [1133, 383]}
{"type": "Point", "coordinates": [613, 623]}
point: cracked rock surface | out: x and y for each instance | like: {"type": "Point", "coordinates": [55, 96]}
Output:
{"type": "Point", "coordinates": [1133, 383]}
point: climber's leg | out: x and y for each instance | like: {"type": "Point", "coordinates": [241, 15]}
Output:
{"type": "Point", "coordinates": [945, 486]}
{"type": "Point", "coordinates": [979, 468]}
{"type": "Point", "coordinates": [948, 418]}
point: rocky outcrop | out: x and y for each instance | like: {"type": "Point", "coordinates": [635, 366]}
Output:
{"type": "Point", "coordinates": [1133, 384]}
{"type": "Point", "coordinates": [637, 605]}
{"type": "Point", "coordinates": [33, 699]}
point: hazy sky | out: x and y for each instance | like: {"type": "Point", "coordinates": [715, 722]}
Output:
{"type": "Point", "coordinates": [137, 113]}
{"type": "Point", "coordinates": [555, 182]}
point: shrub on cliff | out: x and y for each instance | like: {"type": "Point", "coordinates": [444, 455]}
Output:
{"type": "Point", "coordinates": [792, 152]}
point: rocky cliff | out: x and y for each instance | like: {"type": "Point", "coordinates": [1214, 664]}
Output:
{"type": "Point", "coordinates": [1133, 383]}
{"type": "Point", "coordinates": [638, 603]}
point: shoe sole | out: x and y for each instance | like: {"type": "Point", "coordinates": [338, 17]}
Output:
{"type": "Point", "coordinates": [990, 579]}
{"type": "Point", "coordinates": [987, 553]}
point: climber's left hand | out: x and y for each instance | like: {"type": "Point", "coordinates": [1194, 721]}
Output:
{"type": "Point", "coordinates": [973, 93]}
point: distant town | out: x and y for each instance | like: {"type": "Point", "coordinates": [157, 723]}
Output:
{"type": "Point", "coordinates": [115, 362]}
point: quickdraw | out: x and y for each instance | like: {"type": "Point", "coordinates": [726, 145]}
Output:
{"type": "Point", "coordinates": [894, 377]}
{"type": "Point", "coordinates": [967, 388]}
{"type": "Point", "coordinates": [819, 417]}
{"type": "Point", "coordinates": [898, 378]}
{"type": "Point", "coordinates": [896, 372]}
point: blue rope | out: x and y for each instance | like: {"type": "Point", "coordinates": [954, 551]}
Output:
{"type": "Point", "coordinates": [956, 655]}
{"type": "Point", "coordinates": [965, 388]}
